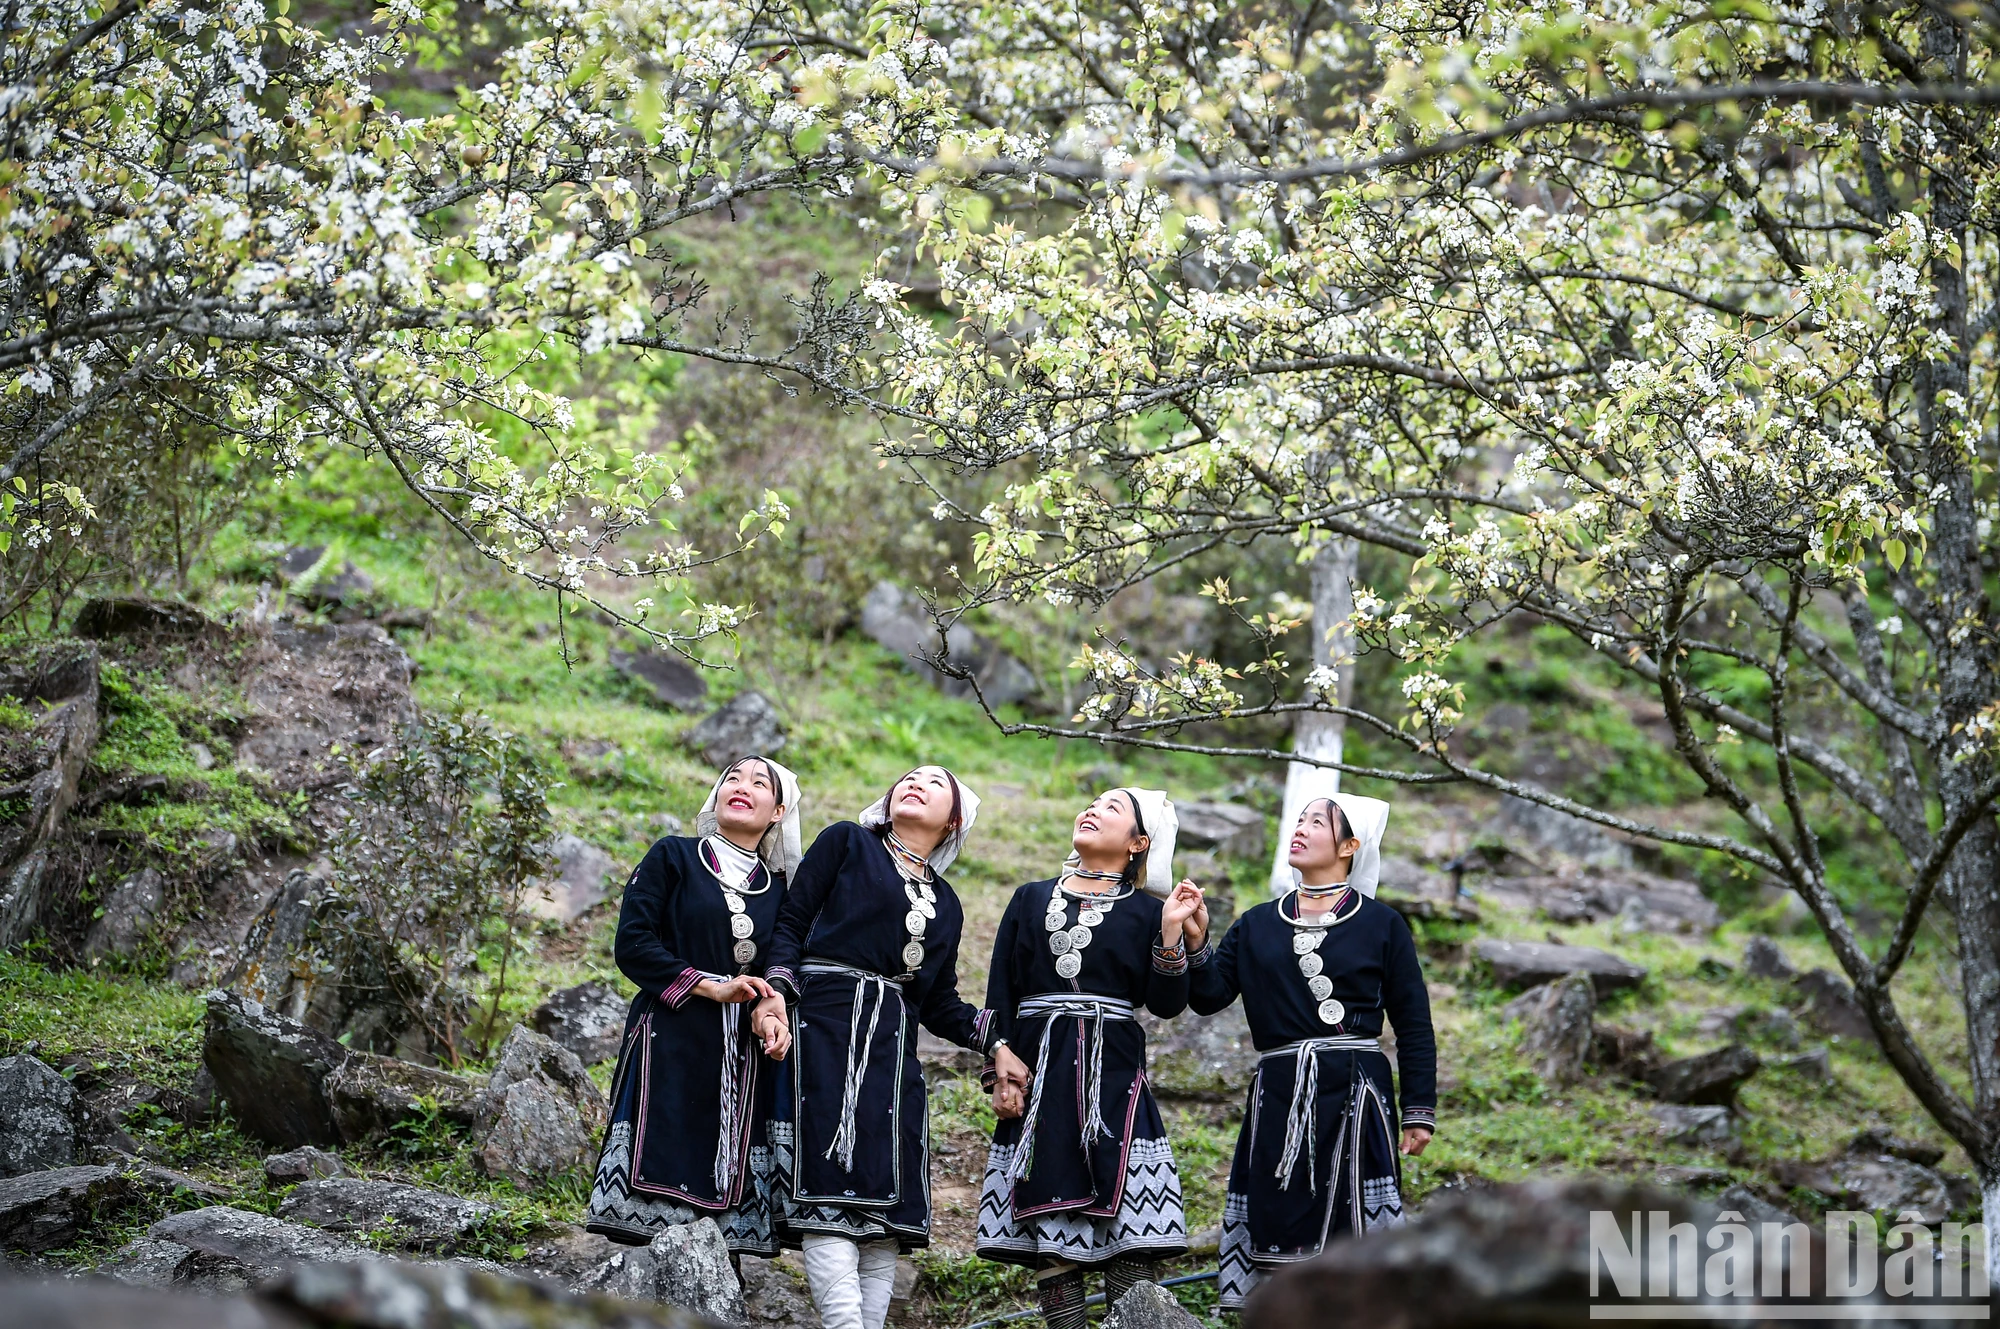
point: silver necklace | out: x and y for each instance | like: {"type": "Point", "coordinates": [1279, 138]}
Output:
{"type": "Point", "coordinates": [915, 871]}
{"type": "Point", "coordinates": [1307, 934]}
{"type": "Point", "coordinates": [741, 925]}
{"type": "Point", "coordinates": [1067, 943]}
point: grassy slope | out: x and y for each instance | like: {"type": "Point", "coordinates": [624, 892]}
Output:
{"type": "Point", "coordinates": [857, 719]}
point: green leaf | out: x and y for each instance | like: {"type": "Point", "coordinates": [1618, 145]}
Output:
{"type": "Point", "coordinates": [1897, 551]}
{"type": "Point", "coordinates": [807, 141]}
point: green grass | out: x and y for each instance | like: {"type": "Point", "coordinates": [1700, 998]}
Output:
{"type": "Point", "coordinates": [152, 1031]}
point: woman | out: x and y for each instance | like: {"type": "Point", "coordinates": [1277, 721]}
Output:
{"type": "Point", "coordinates": [690, 1093]}
{"type": "Point", "coordinates": [1083, 1178]}
{"type": "Point", "coordinates": [866, 949]}
{"type": "Point", "coordinates": [1318, 969]}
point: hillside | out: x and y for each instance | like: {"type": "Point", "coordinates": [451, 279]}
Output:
{"type": "Point", "coordinates": [190, 776]}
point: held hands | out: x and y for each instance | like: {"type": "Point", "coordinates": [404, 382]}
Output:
{"type": "Point", "coordinates": [1415, 1140]}
{"type": "Point", "coordinates": [1185, 915]}
{"type": "Point", "coordinates": [1010, 1083]}
{"type": "Point", "coordinates": [770, 1024]}
{"type": "Point", "coordinates": [733, 991]}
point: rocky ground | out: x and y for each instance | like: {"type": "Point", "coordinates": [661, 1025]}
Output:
{"type": "Point", "coordinates": [196, 1103]}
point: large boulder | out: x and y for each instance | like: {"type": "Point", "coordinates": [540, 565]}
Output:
{"type": "Point", "coordinates": [1556, 1026]}
{"type": "Point", "coordinates": [898, 620]}
{"type": "Point", "coordinates": [221, 1249]}
{"type": "Point", "coordinates": [577, 884]}
{"type": "Point", "coordinates": [588, 1019]}
{"type": "Point", "coordinates": [1763, 959]}
{"type": "Point", "coordinates": [1530, 963]}
{"type": "Point", "coordinates": [41, 766]}
{"type": "Point", "coordinates": [422, 1220]}
{"type": "Point", "coordinates": [129, 911]}
{"type": "Point", "coordinates": [1230, 830]}
{"type": "Point", "coordinates": [271, 1071]}
{"type": "Point", "coordinates": [1208, 1058]}
{"type": "Point", "coordinates": [686, 1265]}
{"type": "Point", "coordinates": [40, 1211]}
{"type": "Point", "coordinates": [112, 616]}
{"type": "Point", "coordinates": [745, 725]}
{"type": "Point", "coordinates": [1831, 1007]}
{"type": "Point", "coordinates": [312, 688]}
{"type": "Point", "coordinates": [304, 1163]}
{"type": "Point", "coordinates": [39, 1108]}
{"type": "Point", "coordinates": [1149, 1306]}
{"type": "Point", "coordinates": [1703, 1126]}
{"type": "Point", "coordinates": [672, 680]}
{"type": "Point", "coordinates": [369, 1093]}
{"type": "Point", "coordinates": [540, 1115]}
{"type": "Point", "coordinates": [1710, 1079]}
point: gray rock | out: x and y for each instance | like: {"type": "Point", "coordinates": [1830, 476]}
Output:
{"type": "Point", "coordinates": [1763, 959]}
{"type": "Point", "coordinates": [89, 1303]}
{"type": "Point", "coordinates": [1696, 1126]}
{"type": "Point", "coordinates": [899, 621]}
{"type": "Point", "coordinates": [39, 1108]}
{"type": "Point", "coordinates": [129, 910]}
{"type": "Point", "coordinates": [394, 1294]}
{"type": "Point", "coordinates": [1208, 1058]}
{"type": "Point", "coordinates": [274, 967]}
{"type": "Point", "coordinates": [45, 767]}
{"type": "Point", "coordinates": [271, 1071]}
{"type": "Point", "coordinates": [1556, 1026]}
{"type": "Point", "coordinates": [1527, 963]}
{"type": "Point", "coordinates": [1816, 1065]}
{"type": "Point", "coordinates": [1889, 1185]}
{"type": "Point", "coordinates": [663, 823]}
{"type": "Point", "coordinates": [302, 1164]}
{"type": "Point", "coordinates": [1753, 1207]}
{"type": "Point", "coordinates": [423, 1220]}
{"type": "Point", "coordinates": [221, 1249]}
{"type": "Point", "coordinates": [539, 1115]}
{"type": "Point", "coordinates": [685, 1266]}
{"type": "Point", "coordinates": [1875, 1140]}
{"type": "Point", "coordinates": [1523, 822]}
{"type": "Point", "coordinates": [1232, 830]}
{"type": "Point", "coordinates": [40, 1211]}
{"type": "Point", "coordinates": [775, 1292]}
{"type": "Point", "coordinates": [369, 1093]}
{"type": "Point", "coordinates": [588, 1019]}
{"type": "Point", "coordinates": [578, 883]}
{"type": "Point", "coordinates": [1830, 1006]}
{"type": "Point", "coordinates": [1149, 1306]}
{"type": "Point", "coordinates": [1711, 1078]}
{"type": "Point", "coordinates": [672, 680]}
{"type": "Point", "coordinates": [745, 725]}
{"type": "Point", "coordinates": [134, 616]}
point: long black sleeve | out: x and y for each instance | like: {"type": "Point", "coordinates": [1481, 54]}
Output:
{"type": "Point", "coordinates": [810, 887]}
{"type": "Point", "coordinates": [641, 948]}
{"type": "Point", "coordinates": [1212, 986]}
{"type": "Point", "coordinates": [1002, 992]}
{"type": "Point", "coordinates": [1407, 1003]}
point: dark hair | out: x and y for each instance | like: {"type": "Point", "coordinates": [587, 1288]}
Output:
{"type": "Point", "coordinates": [1135, 866]}
{"type": "Point", "coordinates": [770, 773]}
{"type": "Point", "coordinates": [1343, 829]}
{"type": "Point", "coordinates": [889, 801]}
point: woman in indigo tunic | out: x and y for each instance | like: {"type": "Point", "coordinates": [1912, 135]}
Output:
{"type": "Point", "coordinates": [1318, 969]}
{"type": "Point", "coordinates": [866, 949]}
{"type": "Point", "coordinates": [1083, 1178]}
{"type": "Point", "coordinates": [691, 1094]}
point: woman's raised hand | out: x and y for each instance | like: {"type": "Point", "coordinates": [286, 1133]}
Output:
{"type": "Point", "coordinates": [1185, 911]}
{"type": "Point", "coordinates": [770, 1024]}
{"type": "Point", "coordinates": [734, 991]}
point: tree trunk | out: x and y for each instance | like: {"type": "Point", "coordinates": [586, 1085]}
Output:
{"type": "Point", "coordinates": [1317, 735]}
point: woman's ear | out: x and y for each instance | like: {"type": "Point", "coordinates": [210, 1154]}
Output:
{"type": "Point", "coordinates": [778, 814]}
{"type": "Point", "coordinates": [1141, 843]}
{"type": "Point", "coordinates": [1348, 848]}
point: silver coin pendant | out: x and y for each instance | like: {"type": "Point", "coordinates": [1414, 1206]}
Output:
{"type": "Point", "coordinates": [735, 903]}
{"type": "Point", "coordinates": [1331, 1011]}
{"type": "Point", "coordinates": [744, 951]}
{"type": "Point", "coordinates": [1303, 942]}
{"type": "Point", "coordinates": [914, 923]}
{"type": "Point", "coordinates": [1079, 936]}
{"type": "Point", "coordinates": [1090, 917]}
{"type": "Point", "coordinates": [1320, 986]}
{"type": "Point", "coordinates": [1069, 966]}
{"type": "Point", "coordinates": [913, 955]}
{"type": "Point", "coordinates": [741, 926]}
{"type": "Point", "coordinates": [1060, 943]}
{"type": "Point", "coordinates": [1310, 964]}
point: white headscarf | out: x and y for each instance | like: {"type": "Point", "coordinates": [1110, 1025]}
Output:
{"type": "Point", "coordinates": [876, 815]}
{"type": "Point", "coordinates": [1162, 824]}
{"type": "Point", "coordinates": [1367, 818]}
{"type": "Point", "coordinates": [780, 848]}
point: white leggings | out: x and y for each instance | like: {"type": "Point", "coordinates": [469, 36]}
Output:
{"type": "Point", "coordinates": [851, 1281]}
